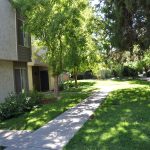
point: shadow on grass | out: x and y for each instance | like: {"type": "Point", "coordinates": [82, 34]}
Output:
{"type": "Point", "coordinates": [40, 116]}
{"type": "Point", "coordinates": [121, 123]}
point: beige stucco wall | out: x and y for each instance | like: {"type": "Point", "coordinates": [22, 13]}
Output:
{"type": "Point", "coordinates": [51, 81]}
{"type": "Point", "coordinates": [8, 36]}
{"type": "Point", "coordinates": [30, 78]}
{"type": "Point", "coordinates": [6, 79]}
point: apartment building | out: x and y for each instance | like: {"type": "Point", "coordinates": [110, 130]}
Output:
{"type": "Point", "coordinates": [40, 76]}
{"type": "Point", "coordinates": [15, 51]}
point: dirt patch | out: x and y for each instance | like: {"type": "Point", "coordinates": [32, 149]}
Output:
{"type": "Point", "coordinates": [48, 101]}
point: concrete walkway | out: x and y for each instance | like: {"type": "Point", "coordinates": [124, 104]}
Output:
{"type": "Point", "coordinates": [58, 132]}
{"type": "Point", "coordinates": [8, 136]}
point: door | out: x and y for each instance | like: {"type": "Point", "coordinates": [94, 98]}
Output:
{"type": "Point", "coordinates": [44, 80]}
{"type": "Point", "coordinates": [36, 78]}
{"type": "Point", "coordinates": [18, 80]}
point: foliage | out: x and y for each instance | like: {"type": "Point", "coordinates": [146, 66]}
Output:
{"type": "Point", "coordinates": [15, 105]}
{"type": "Point", "coordinates": [129, 72]}
{"type": "Point", "coordinates": [104, 73]}
{"type": "Point", "coordinates": [146, 61]}
{"type": "Point", "coordinates": [81, 52]}
{"type": "Point", "coordinates": [63, 29]}
{"type": "Point", "coordinates": [146, 58]}
{"type": "Point", "coordinates": [122, 31]}
{"type": "Point", "coordinates": [127, 23]}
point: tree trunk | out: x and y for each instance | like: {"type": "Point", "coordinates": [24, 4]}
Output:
{"type": "Point", "coordinates": [146, 70]}
{"type": "Point", "coordinates": [56, 89]}
{"type": "Point", "coordinates": [75, 77]}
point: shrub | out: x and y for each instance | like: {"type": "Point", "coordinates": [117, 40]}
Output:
{"type": "Point", "coordinates": [16, 104]}
{"type": "Point", "coordinates": [129, 72]}
{"type": "Point", "coordinates": [68, 84]}
{"type": "Point", "coordinates": [88, 74]}
{"type": "Point", "coordinates": [104, 74]}
{"type": "Point", "coordinates": [61, 87]}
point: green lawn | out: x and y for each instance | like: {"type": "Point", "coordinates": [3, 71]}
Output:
{"type": "Point", "coordinates": [122, 122]}
{"type": "Point", "coordinates": [40, 116]}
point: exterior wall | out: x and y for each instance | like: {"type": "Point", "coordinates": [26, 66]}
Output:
{"type": "Point", "coordinates": [51, 82]}
{"type": "Point", "coordinates": [8, 36]}
{"type": "Point", "coordinates": [30, 78]}
{"type": "Point", "coordinates": [6, 79]}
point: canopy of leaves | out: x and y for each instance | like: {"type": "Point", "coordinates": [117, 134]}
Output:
{"type": "Point", "coordinates": [62, 26]}
{"type": "Point", "coordinates": [127, 23]}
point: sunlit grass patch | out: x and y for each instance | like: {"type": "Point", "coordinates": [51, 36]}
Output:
{"type": "Point", "coordinates": [122, 122]}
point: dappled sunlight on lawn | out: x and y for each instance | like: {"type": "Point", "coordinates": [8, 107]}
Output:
{"type": "Point", "coordinates": [121, 122]}
{"type": "Point", "coordinates": [70, 98]}
{"type": "Point", "coordinates": [38, 117]}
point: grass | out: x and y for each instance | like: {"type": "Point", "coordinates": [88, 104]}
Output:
{"type": "Point", "coordinates": [122, 122]}
{"type": "Point", "coordinates": [40, 116]}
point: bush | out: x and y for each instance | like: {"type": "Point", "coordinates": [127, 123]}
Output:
{"type": "Point", "coordinates": [61, 87]}
{"type": "Point", "coordinates": [88, 74]}
{"type": "Point", "coordinates": [104, 74]}
{"type": "Point", "coordinates": [80, 76]}
{"type": "Point", "coordinates": [16, 104]}
{"type": "Point", "coordinates": [129, 72]}
{"type": "Point", "coordinates": [148, 74]}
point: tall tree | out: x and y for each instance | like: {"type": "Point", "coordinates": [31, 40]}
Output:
{"type": "Point", "coordinates": [60, 27]}
{"type": "Point", "coordinates": [127, 23]}
{"type": "Point", "coordinates": [78, 36]}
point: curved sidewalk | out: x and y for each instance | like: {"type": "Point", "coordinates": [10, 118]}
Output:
{"type": "Point", "coordinates": [58, 132]}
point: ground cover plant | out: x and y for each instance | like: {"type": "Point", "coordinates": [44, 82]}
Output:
{"type": "Point", "coordinates": [16, 104]}
{"type": "Point", "coordinates": [122, 122]}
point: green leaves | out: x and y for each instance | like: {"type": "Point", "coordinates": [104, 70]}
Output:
{"type": "Point", "coordinates": [128, 23]}
{"type": "Point", "coordinates": [64, 27]}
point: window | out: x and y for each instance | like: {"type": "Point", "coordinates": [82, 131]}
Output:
{"type": "Point", "coordinates": [20, 79]}
{"type": "Point", "coordinates": [23, 37]}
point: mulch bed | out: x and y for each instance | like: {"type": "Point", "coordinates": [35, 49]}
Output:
{"type": "Point", "coordinates": [48, 101]}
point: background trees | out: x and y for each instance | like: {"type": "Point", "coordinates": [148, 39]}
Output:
{"type": "Point", "coordinates": [78, 37]}
{"type": "Point", "coordinates": [126, 24]}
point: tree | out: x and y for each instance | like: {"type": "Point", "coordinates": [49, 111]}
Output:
{"type": "Point", "coordinates": [127, 23]}
{"type": "Point", "coordinates": [46, 21]}
{"type": "Point", "coordinates": [78, 36]}
{"type": "Point", "coordinates": [59, 26]}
